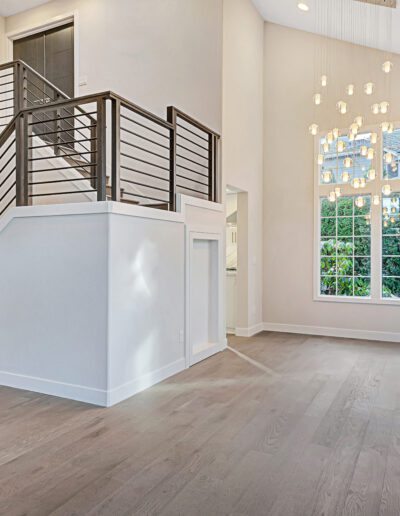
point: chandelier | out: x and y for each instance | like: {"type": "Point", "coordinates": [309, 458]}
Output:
{"type": "Point", "coordinates": [346, 100]}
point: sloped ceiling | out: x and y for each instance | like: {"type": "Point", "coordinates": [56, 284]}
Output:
{"type": "Point", "coordinates": [376, 19]}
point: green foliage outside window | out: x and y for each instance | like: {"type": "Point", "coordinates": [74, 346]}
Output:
{"type": "Point", "coordinates": [345, 248]}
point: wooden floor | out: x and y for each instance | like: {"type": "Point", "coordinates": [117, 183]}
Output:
{"type": "Point", "coordinates": [281, 424]}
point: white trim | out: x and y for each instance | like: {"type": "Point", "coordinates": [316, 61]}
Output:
{"type": "Point", "coordinates": [88, 208]}
{"type": "Point", "coordinates": [250, 331]}
{"type": "Point", "coordinates": [51, 23]}
{"type": "Point", "coordinates": [145, 381]}
{"type": "Point", "coordinates": [185, 200]}
{"type": "Point", "coordinates": [347, 333]}
{"type": "Point", "coordinates": [372, 188]}
{"type": "Point", "coordinates": [358, 300]}
{"type": "Point", "coordinates": [195, 232]}
{"type": "Point", "coordinates": [54, 388]}
{"type": "Point", "coordinates": [101, 397]}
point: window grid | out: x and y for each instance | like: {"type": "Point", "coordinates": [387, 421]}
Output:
{"type": "Point", "coordinates": [353, 238]}
{"type": "Point", "coordinates": [390, 283]}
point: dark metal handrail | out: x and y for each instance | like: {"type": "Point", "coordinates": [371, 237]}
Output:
{"type": "Point", "coordinates": [180, 147]}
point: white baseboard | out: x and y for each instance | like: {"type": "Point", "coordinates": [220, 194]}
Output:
{"type": "Point", "coordinates": [90, 395]}
{"type": "Point", "coordinates": [54, 388]}
{"type": "Point", "coordinates": [249, 332]}
{"type": "Point", "coordinates": [333, 332]}
{"type": "Point", "coordinates": [145, 381]}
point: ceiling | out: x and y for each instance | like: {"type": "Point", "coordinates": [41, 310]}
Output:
{"type": "Point", "coordinates": [9, 7]}
{"type": "Point", "coordinates": [286, 12]}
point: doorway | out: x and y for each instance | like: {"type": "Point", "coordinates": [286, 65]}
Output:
{"type": "Point", "coordinates": [237, 260]}
{"type": "Point", "coordinates": [50, 53]}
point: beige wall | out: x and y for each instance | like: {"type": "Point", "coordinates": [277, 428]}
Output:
{"type": "Point", "coordinates": [242, 144]}
{"type": "Point", "coordinates": [154, 52]}
{"type": "Point", "coordinates": [288, 180]}
{"type": "Point", "coordinates": [2, 39]}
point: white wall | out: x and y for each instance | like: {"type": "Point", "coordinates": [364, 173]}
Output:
{"type": "Point", "coordinates": [93, 300]}
{"type": "Point", "coordinates": [154, 52]}
{"type": "Point", "coordinates": [242, 144]}
{"type": "Point", "coordinates": [53, 309]}
{"type": "Point", "coordinates": [288, 182]}
{"type": "Point", "coordinates": [146, 300]}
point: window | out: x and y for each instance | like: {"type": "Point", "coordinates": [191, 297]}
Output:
{"type": "Point", "coordinates": [345, 247]}
{"type": "Point", "coordinates": [358, 216]}
{"type": "Point", "coordinates": [391, 247]}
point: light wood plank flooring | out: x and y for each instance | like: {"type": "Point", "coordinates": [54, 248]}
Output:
{"type": "Point", "coordinates": [278, 425]}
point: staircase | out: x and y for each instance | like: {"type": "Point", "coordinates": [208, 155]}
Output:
{"type": "Point", "coordinates": [55, 149]}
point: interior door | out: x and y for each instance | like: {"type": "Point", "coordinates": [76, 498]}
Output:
{"type": "Point", "coordinates": [50, 53]}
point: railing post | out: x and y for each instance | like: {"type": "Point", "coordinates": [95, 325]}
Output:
{"type": "Point", "coordinates": [116, 150]}
{"type": "Point", "coordinates": [216, 196]}
{"type": "Point", "coordinates": [57, 151]}
{"type": "Point", "coordinates": [211, 167]}
{"type": "Point", "coordinates": [20, 88]}
{"type": "Point", "coordinates": [171, 117]}
{"type": "Point", "coordinates": [22, 159]}
{"type": "Point", "coordinates": [101, 150]}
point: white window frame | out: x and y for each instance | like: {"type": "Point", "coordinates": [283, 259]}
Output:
{"type": "Point", "coordinates": [372, 188]}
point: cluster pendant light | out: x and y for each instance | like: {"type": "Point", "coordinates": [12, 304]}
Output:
{"type": "Point", "coordinates": [348, 156]}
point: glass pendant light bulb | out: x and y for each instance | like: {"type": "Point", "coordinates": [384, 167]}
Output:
{"type": "Point", "coordinates": [354, 129]}
{"type": "Point", "coordinates": [324, 81]}
{"type": "Point", "coordinates": [385, 127]}
{"type": "Point", "coordinates": [369, 88]}
{"type": "Point", "coordinates": [364, 150]}
{"type": "Point", "coordinates": [387, 66]}
{"type": "Point", "coordinates": [372, 174]}
{"type": "Point", "coordinates": [384, 107]}
{"type": "Point", "coordinates": [385, 223]}
{"type": "Point", "coordinates": [356, 183]}
{"type": "Point", "coordinates": [390, 128]}
{"type": "Point", "coordinates": [350, 90]}
{"type": "Point", "coordinates": [327, 176]}
{"type": "Point", "coordinates": [341, 106]}
{"type": "Point", "coordinates": [332, 197]}
{"type": "Point", "coordinates": [338, 192]}
{"type": "Point", "coordinates": [393, 220]}
{"type": "Point", "coordinates": [345, 176]}
{"type": "Point", "coordinates": [376, 200]}
{"type": "Point", "coordinates": [348, 162]}
{"type": "Point", "coordinates": [375, 108]}
{"type": "Point", "coordinates": [335, 133]}
{"type": "Point", "coordinates": [388, 158]}
{"type": "Point", "coordinates": [359, 121]}
{"type": "Point", "coordinates": [313, 129]}
{"type": "Point", "coordinates": [393, 210]}
{"type": "Point", "coordinates": [370, 154]}
{"type": "Point", "coordinates": [374, 138]}
{"type": "Point", "coordinates": [387, 190]}
{"type": "Point", "coordinates": [351, 137]}
{"type": "Point", "coordinates": [340, 146]}
{"type": "Point", "coordinates": [385, 211]}
{"type": "Point", "coordinates": [320, 159]}
{"type": "Point", "coordinates": [363, 182]}
{"type": "Point", "coordinates": [326, 147]}
{"type": "Point", "coordinates": [329, 138]}
{"type": "Point", "coordinates": [360, 202]}
{"type": "Point", "coordinates": [317, 99]}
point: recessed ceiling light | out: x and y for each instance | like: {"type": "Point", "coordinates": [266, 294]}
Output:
{"type": "Point", "coordinates": [303, 7]}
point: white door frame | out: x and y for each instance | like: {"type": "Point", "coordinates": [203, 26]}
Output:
{"type": "Point", "coordinates": [205, 233]}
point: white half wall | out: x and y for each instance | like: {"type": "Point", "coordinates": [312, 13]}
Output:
{"type": "Point", "coordinates": [53, 304]}
{"type": "Point", "coordinates": [92, 297]}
